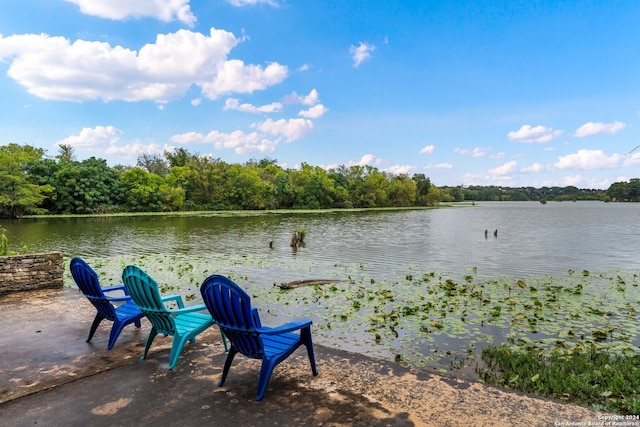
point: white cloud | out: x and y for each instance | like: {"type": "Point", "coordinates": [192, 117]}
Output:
{"type": "Point", "coordinates": [439, 166]}
{"type": "Point", "coordinates": [476, 152]}
{"type": "Point", "coordinates": [428, 149]}
{"type": "Point", "coordinates": [592, 128]}
{"type": "Point", "coordinates": [54, 68]}
{"type": "Point", "coordinates": [505, 169]}
{"type": "Point", "coordinates": [234, 104]}
{"type": "Point", "coordinates": [195, 102]}
{"type": "Point", "coordinates": [534, 168]}
{"type": "Point", "coordinates": [539, 134]}
{"type": "Point", "coordinates": [314, 112]}
{"type": "Point", "coordinates": [235, 76]}
{"type": "Point", "coordinates": [135, 149]}
{"type": "Point", "coordinates": [361, 53]}
{"type": "Point", "coordinates": [240, 3]}
{"type": "Point", "coordinates": [267, 136]}
{"type": "Point", "coordinates": [400, 169]}
{"type": "Point", "coordinates": [97, 137]}
{"type": "Point", "coordinates": [588, 159]}
{"type": "Point", "coordinates": [164, 10]}
{"type": "Point", "coordinates": [311, 99]}
{"type": "Point", "coordinates": [240, 142]}
{"type": "Point", "coordinates": [572, 180]}
{"type": "Point", "coordinates": [291, 129]}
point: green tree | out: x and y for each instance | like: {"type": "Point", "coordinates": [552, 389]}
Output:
{"type": "Point", "coordinates": [145, 191]}
{"type": "Point", "coordinates": [18, 195]}
{"type": "Point", "coordinates": [90, 186]}
{"type": "Point", "coordinates": [402, 191]}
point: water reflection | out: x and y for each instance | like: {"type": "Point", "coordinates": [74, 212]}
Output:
{"type": "Point", "coordinates": [532, 239]}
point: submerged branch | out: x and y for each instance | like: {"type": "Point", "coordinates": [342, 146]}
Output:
{"type": "Point", "coordinates": [308, 282]}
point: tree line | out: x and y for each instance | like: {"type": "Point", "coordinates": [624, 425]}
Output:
{"type": "Point", "coordinates": [32, 183]}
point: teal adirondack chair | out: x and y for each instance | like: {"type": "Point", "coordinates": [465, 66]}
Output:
{"type": "Point", "coordinates": [123, 313]}
{"type": "Point", "coordinates": [183, 323]}
{"type": "Point", "coordinates": [231, 309]}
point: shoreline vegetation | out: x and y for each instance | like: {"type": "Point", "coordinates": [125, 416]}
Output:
{"type": "Point", "coordinates": [181, 181]}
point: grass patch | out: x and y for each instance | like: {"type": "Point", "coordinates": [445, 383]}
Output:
{"type": "Point", "coordinates": [586, 376]}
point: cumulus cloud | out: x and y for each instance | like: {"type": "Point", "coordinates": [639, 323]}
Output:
{"type": "Point", "coordinates": [267, 136]}
{"type": "Point", "coordinates": [240, 142]}
{"type": "Point", "coordinates": [291, 129]}
{"type": "Point", "coordinates": [428, 149]}
{"type": "Point", "coordinates": [164, 10]}
{"type": "Point", "coordinates": [311, 99]}
{"type": "Point", "coordinates": [534, 168]}
{"type": "Point", "coordinates": [588, 159]}
{"type": "Point", "coordinates": [439, 166]}
{"type": "Point", "coordinates": [505, 169]}
{"type": "Point", "coordinates": [476, 152]}
{"type": "Point", "coordinates": [55, 68]}
{"type": "Point", "coordinates": [136, 149]}
{"type": "Point", "coordinates": [97, 137]}
{"type": "Point", "coordinates": [538, 134]}
{"type": "Point", "coordinates": [234, 104]}
{"type": "Point", "coordinates": [400, 169]}
{"type": "Point", "coordinates": [361, 53]}
{"type": "Point", "coordinates": [314, 112]}
{"type": "Point", "coordinates": [592, 128]}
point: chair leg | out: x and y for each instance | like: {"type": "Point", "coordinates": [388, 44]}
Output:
{"type": "Point", "coordinates": [227, 365]}
{"type": "Point", "coordinates": [99, 318]}
{"type": "Point", "coordinates": [176, 349]}
{"type": "Point", "coordinates": [265, 375]}
{"type": "Point", "coordinates": [117, 327]}
{"type": "Point", "coordinates": [305, 338]}
{"type": "Point", "coordinates": [152, 335]}
{"type": "Point", "coordinates": [224, 341]}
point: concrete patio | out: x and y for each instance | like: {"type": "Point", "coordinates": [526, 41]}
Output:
{"type": "Point", "coordinates": [49, 376]}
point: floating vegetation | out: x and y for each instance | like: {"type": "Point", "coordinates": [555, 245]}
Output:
{"type": "Point", "coordinates": [423, 318]}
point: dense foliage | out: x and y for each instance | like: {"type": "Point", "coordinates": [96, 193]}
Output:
{"type": "Point", "coordinates": [31, 183]}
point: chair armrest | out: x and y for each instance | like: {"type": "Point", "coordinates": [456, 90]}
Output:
{"type": "Point", "coordinates": [115, 288]}
{"type": "Point", "coordinates": [192, 308]}
{"type": "Point", "coordinates": [176, 298]}
{"type": "Point", "coordinates": [126, 296]}
{"type": "Point", "coordinates": [287, 327]}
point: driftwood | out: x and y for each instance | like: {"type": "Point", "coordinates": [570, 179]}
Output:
{"type": "Point", "coordinates": [309, 282]}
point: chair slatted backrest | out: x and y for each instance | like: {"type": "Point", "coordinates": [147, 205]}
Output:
{"type": "Point", "coordinates": [87, 281]}
{"type": "Point", "coordinates": [230, 307]}
{"type": "Point", "coordinates": [143, 290]}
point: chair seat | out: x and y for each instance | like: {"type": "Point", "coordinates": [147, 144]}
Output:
{"type": "Point", "coordinates": [128, 310]}
{"type": "Point", "coordinates": [187, 322]}
{"type": "Point", "coordinates": [275, 345]}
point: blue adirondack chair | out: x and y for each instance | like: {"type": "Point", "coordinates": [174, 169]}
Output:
{"type": "Point", "coordinates": [183, 323]}
{"type": "Point", "coordinates": [231, 309]}
{"type": "Point", "coordinates": [87, 281]}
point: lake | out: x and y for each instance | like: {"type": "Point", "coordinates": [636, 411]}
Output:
{"type": "Point", "coordinates": [407, 277]}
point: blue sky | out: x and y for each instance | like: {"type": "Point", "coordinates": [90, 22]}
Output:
{"type": "Point", "coordinates": [512, 93]}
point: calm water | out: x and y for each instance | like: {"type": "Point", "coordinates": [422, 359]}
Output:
{"type": "Point", "coordinates": [532, 238]}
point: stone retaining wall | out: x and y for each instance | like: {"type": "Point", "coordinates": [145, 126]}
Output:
{"type": "Point", "coordinates": [33, 271]}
